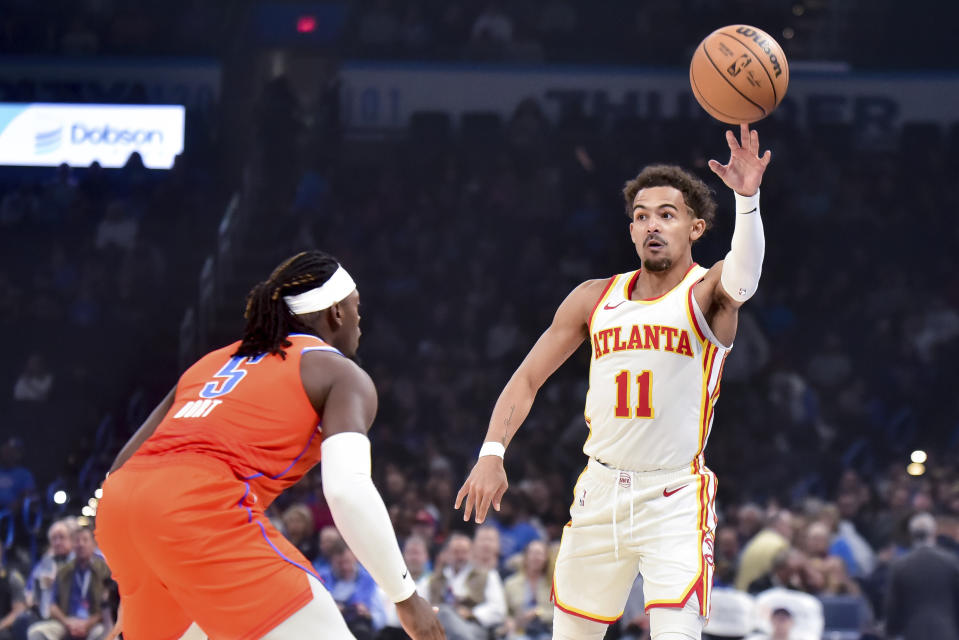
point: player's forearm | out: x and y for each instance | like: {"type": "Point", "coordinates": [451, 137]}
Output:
{"type": "Point", "coordinates": [145, 431]}
{"type": "Point", "coordinates": [360, 515]}
{"type": "Point", "coordinates": [511, 409]}
{"type": "Point", "coordinates": [744, 262]}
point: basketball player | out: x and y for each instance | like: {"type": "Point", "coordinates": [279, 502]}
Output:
{"type": "Point", "coordinates": [659, 336]}
{"type": "Point", "coordinates": [182, 519]}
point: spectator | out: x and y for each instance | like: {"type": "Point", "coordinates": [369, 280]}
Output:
{"type": "Point", "coordinates": [118, 229]}
{"type": "Point", "coordinates": [16, 481]}
{"type": "Point", "coordinates": [727, 556]}
{"type": "Point", "coordinates": [35, 382]}
{"type": "Point", "coordinates": [486, 548]}
{"type": "Point", "coordinates": [417, 555]}
{"type": "Point", "coordinates": [329, 539]}
{"type": "Point", "coordinates": [781, 621]}
{"type": "Point", "coordinates": [528, 596]}
{"type": "Point", "coordinates": [514, 526]}
{"type": "Point", "coordinates": [12, 603]}
{"type": "Point", "coordinates": [923, 597]}
{"type": "Point", "coordinates": [80, 585]}
{"type": "Point", "coordinates": [825, 572]}
{"type": "Point", "coordinates": [758, 554]}
{"type": "Point", "coordinates": [298, 529]}
{"type": "Point", "coordinates": [848, 543]}
{"type": "Point", "coordinates": [786, 572]}
{"type": "Point", "coordinates": [355, 593]}
{"type": "Point", "coordinates": [493, 25]}
{"type": "Point", "coordinates": [40, 585]}
{"type": "Point", "coordinates": [470, 599]}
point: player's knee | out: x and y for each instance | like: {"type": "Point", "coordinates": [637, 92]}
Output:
{"type": "Point", "coordinates": [675, 624]}
{"type": "Point", "coordinates": [569, 627]}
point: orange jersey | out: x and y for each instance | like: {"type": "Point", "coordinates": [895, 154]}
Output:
{"type": "Point", "coordinates": [250, 413]}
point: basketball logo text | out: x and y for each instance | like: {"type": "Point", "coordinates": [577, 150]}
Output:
{"type": "Point", "coordinates": [764, 45]}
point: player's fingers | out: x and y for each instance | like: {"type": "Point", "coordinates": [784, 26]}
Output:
{"type": "Point", "coordinates": [718, 169]}
{"type": "Point", "coordinates": [744, 136]}
{"type": "Point", "coordinates": [498, 496]}
{"type": "Point", "coordinates": [468, 509]}
{"type": "Point", "coordinates": [767, 157]}
{"type": "Point", "coordinates": [754, 141]}
{"type": "Point", "coordinates": [459, 496]}
{"type": "Point", "coordinates": [482, 507]}
{"type": "Point", "coordinates": [731, 140]}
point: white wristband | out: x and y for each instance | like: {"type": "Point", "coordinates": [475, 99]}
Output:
{"type": "Point", "coordinates": [492, 449]}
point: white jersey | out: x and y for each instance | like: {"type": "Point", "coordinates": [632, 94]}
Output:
{"type": "Point", "coordinates": [653, 378]}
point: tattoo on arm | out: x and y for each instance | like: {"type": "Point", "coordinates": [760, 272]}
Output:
{"type": "Point", "coordinates": [508, 419]}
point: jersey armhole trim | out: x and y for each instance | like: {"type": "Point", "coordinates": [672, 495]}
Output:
{"type": "Point", "coordinates": [330, 349]}
{"type": "Point", "coordinates": [703, 332]}
{"type": "Point", "coordinates": [602, 297]}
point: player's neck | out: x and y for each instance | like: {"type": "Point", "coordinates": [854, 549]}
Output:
{"type": "Point", "coordinates": [653, 284]}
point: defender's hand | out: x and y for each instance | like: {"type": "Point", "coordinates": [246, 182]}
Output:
{"type": "Point", "coordinates": [485, 485]}
{"type": "Point", "coordinates": [744, 172]}
{"type": "Point", "coordinates": [419, 619]}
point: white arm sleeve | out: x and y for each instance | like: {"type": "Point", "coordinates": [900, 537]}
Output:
{"type": "Point", "coordinates": [744, 262]}
{"type": "Point", "coordinates": [360, 515]}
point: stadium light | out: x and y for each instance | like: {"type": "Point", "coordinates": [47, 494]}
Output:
{"type": "Point", "coordinates": [88, 511]}
{"type": "Point", "coordinates": [916, 469]}
{"type": "Point", "coordinates": [98, 494]}
{"type": "Point", "coordinates": [60, 497]}
{"type": "Point", "coordinates": [918, 456]}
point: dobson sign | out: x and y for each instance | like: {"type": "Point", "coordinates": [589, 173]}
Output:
{"type": "Point", "coordinates": [39, 134]}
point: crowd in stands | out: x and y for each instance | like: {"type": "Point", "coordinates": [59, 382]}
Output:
{"type": "Point", "coordinates": [629, 33]}
{"type": "Point", "coordinates": [865, 33]}
{"type": "Point", "coordinates": [463, 247]}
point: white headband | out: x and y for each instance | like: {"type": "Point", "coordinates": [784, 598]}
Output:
{"type": "Point", "coordinates": [324, 296]}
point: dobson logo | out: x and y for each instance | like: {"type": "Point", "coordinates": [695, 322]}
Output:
{"type": "Point", "coordinates": [105, 134]}
{"type": "Point", "coordinates": [48, 141]}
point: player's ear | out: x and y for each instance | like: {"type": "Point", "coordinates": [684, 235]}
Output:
{"type": "Point", "coordinates": [697, 230]}
{"type": "Point", "coordinates": [335, 316]}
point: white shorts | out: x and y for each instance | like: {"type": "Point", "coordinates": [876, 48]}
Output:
{"type": "Point", "coordinates": [660, 524]}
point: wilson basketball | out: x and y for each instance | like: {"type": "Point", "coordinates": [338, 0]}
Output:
{"type": "Point", "coordinates": [739, 74]}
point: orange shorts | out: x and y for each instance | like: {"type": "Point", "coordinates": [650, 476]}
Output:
{"type": "Point", "coordinates": [186, 544]}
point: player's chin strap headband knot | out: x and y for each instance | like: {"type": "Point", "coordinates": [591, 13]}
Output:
{"type": "Point", "coordinates": [324, 296]}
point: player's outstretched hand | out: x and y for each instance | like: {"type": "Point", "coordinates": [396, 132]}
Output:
{"type": "Point", "coordinates": [485, 485]}
{"type": "Point", "coordinates": [745, 169]}
{"type": "Point", "coordinates": [419, 619]}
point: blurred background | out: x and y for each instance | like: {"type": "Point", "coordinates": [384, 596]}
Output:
{"type": "Point", "coordinates": [464, 160]}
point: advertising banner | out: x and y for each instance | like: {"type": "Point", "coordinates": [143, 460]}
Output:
{"type": "Point", "coordinates": [41, 134]}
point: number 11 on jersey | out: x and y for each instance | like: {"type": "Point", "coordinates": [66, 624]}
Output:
{"type": "Point", "coordinates": [644, 406]}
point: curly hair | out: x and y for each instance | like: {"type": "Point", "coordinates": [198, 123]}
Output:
{"type": "Point", "coordinates": [268, 320]}
{"type": "Point", "coordinates": [698, 196]}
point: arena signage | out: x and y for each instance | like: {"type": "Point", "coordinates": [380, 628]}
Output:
{"type": "Point", "coordinates": [383, 95]}
{"type": "Point", "coordinates": [40, 134]}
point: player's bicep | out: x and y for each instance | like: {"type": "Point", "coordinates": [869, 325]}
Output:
{"type": "Point", "coordinates": [341, 392]}
{"type": "Point", "coordinates": [564, 335]}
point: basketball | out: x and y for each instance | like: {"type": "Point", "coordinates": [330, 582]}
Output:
{"type": "Point", "coordinates": [739, 74]}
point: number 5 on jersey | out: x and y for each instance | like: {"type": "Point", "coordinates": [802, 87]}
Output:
{"type": "Point", "coordinates": [644, 406]}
